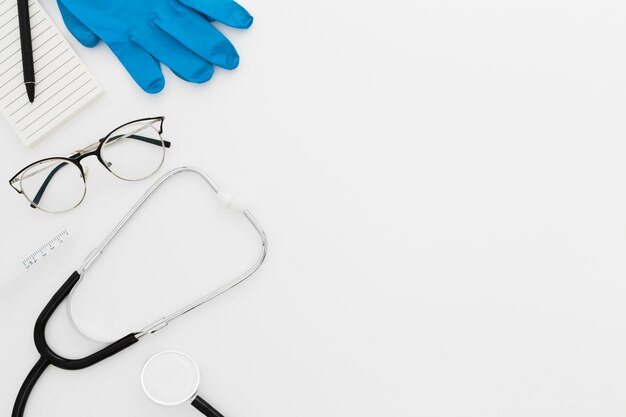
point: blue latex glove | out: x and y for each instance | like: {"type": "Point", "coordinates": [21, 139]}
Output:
{"type": "Point", "coordinates": [142, 33]}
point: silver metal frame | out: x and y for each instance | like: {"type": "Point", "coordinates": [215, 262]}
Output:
{"type": "Point", "coordinates": [162, 322]}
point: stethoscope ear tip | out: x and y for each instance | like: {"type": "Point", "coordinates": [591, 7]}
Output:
{"type": "Point", "coordinates": [231, 201]}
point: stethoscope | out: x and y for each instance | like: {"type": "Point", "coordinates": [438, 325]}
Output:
{"type": "Point", "coordinates": [49, 357]}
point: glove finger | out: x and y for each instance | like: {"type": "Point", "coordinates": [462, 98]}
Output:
{"type": "Point", "coordinates": [225, 11]}
{"type": "Point", "coordinates": [182, 61]}
{"type": "Point", "coordinates": [142, 66]}
{"type": "Point", "coordinates": [77, 28]}
{"type": "Point", "coordinates": [197, 34]}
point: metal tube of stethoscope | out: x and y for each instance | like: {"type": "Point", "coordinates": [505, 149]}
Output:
{"type": "Point", "coordinates": [162, 322]}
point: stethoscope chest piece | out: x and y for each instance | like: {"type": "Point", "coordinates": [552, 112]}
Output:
{"type": "Point", "coordinates": [172, 378]}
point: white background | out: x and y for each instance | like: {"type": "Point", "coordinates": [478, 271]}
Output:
{"type": "Point", "coordinates": [442, 187]}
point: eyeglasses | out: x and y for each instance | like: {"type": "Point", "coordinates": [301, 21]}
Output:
{"type": "Point", "coordinates": [132, 152]}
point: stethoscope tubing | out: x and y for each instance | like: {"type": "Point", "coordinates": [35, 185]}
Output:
{"type": "Point", "coordinates": [204, 407]}
{"type": "Point", "coordinates": [50, 357]}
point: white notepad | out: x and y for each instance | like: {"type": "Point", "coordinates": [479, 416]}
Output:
{"type": "Point", "coordinates": [63, 83]}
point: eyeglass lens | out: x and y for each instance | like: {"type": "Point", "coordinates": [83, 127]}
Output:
{"type": "Point", "coordinates": [134, 151]}
{"type": "Point", "coordinates": [54, 185]}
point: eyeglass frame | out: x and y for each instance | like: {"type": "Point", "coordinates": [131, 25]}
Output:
{"type": "Point", "coordinates": [77, 156]}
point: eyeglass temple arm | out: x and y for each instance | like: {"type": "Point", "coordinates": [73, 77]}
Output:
{"type": "Point", "coordinates": [151, 141]}
{"type": "Point", "coordinates": [52, 173]}
{"type": "Point", "coordinates": [45, 184]}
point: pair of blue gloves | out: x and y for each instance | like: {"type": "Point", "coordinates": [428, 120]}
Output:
{"type": "Point", "coordinates": [144, 33]}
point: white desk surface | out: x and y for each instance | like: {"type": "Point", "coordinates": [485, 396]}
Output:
{"type": "Point", "coordinates": [442, 184]}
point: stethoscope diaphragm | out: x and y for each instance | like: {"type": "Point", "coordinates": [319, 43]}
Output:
{"type": "Point", "coordinates": [172, 378]}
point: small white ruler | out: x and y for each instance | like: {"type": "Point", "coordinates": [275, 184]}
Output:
{"type": "Point", "coordinates": [45, 250]}
{"type": "Point", "coordinates": [36, 257]}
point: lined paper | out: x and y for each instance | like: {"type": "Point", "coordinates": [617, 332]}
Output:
{"type": "Point", "coordinates": [63, 83]}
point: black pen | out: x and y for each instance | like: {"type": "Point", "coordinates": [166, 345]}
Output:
{"type": "Point", "coordinates": [27, 48]}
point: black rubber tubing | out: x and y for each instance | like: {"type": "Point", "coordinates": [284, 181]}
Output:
{"type": "Point", "coordinates": [49, 357]}
{"type": "Point", "coordinates": [27, 387]}
{"type": "Point", "coordinates": [205, 408]}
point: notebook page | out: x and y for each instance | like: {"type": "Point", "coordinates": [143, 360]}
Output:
{"type": "Point", "coordinates": [63, 83]}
